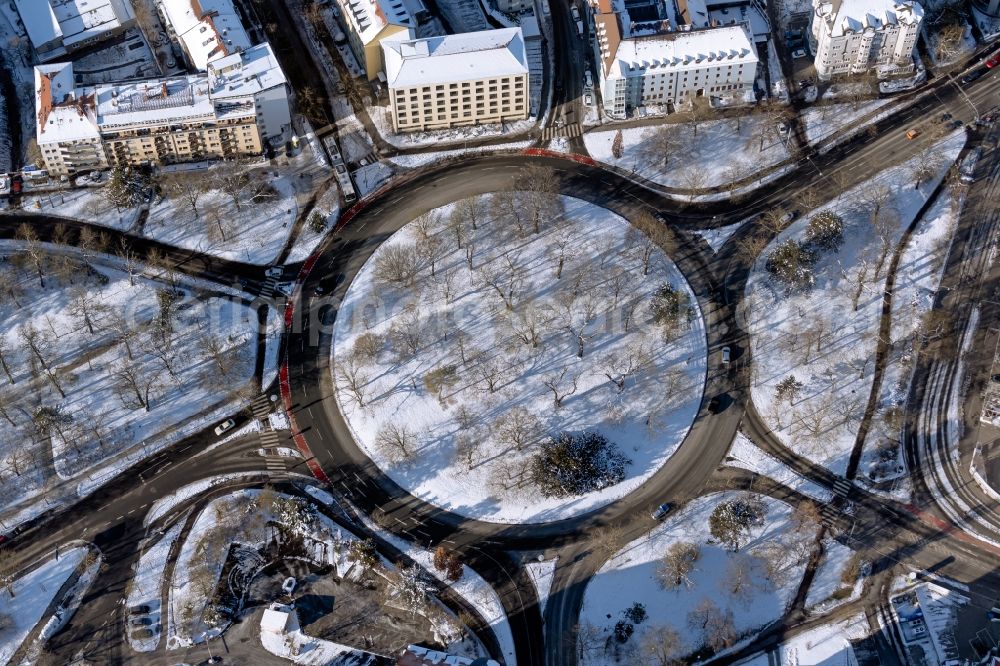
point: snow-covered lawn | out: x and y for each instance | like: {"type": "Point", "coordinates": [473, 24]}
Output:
{"type": "Point", "coordinates": [834, 584]}
{"type": "Point", "coordinates": [328, 207]}
{"type": "Point", "coordinates": [33, 592]}
{"type": "Point", "coordinates": [415, 160]}
{"type": "Point", "coordinates": [825, 336]}
{"type": "Point", "coordinates": [718, 154]}
{"type": "Point", "coordinates": [382, 120]}
{"type": "Point", "coordinates": [100, 356]}
{"type": "Point", "coordinates": [744, 454]}
{"type": "Point", "coordinates": [147, 584]}
{"type": "Point", "coordinates": [917, 279]}
{"type": "Point", "coordinates": [369, 178]}
{"type": "Point", "coordinates": [254, 231]}
{"type": "Point", "coordinates": [828, 645]}
{"type": "Point", "coordinates": [727, 594]}
{"type": "Point", "coordinates": [468, 442]}
{"type": "Point", "coordinates": [542, 574]}
{"type": "Point", "coordinates": [81, 203]}
{"type": "Point", "coordinates": [826, 121]}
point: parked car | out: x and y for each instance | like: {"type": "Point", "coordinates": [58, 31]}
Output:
{"type": "Point", "coordinates": [289, 585]}
{"type": "Point", "coordinates": [974, 74]}
{"type": "Point", "coordinates": [588, 79]}
{"type": "Point", "coordinates": [575, 12]}
{"type": "Point", "coordinates": [660, 512]}
{"type": "Point", "coordinates": [789, 216]}
{"type": "Point", "coordinates": [139, 609]}
{"type": "Point", "coordinates": [141, 621]}
{"type": "Point", "coordinates": [274, 271]}
{"type": "Point", "coordinates": [714, 404]}
{"type": "Point", "coordinates": [588, 99]}
{"type": "Point", "coordinates": [726, 355]}
{"type": "Point", "coordinates": [994, 61]}
{"type": "Point", "coordinates": [799, 53]}
{"type": "Point", "coordinates": [913, 133]}
{"type": "Point", "coordinates": [225, 426]}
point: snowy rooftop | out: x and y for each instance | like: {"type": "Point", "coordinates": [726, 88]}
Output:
{"type": "Point", "coordinates": [274, 619]}
{"type": "Point", "coordinates": [153, 102]}
{"type": "Point", "coordinates": [207, 29]}
{"type": "Point", "coordinates": [64, 113]}
{"type": "Point", "coordinates": [67, 113]}
{"type": "Point", "coordinates": [369, 17]}
{"type": "Point", "coordinates": [677, 51]}
{"type": "Point", "coordinates": [71, 21]}
{"type": "Point", "coordinates": [247, 73]}
{"type": "Point", "coordinates": [846, 16]}
{"type": "Point", "coordinates": [463, 57]}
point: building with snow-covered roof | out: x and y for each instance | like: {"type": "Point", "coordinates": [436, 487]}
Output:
{"type": "Point", "coordinates": [58, 27]}
{"type": "Point", "coordinates": [369, 22]}
{"type": "Point", "coordinates": [654, 62]}
{"type": "Point", "coordinates": [230, 111]}
{"type": "Point", "coordinates": [858, 36]}
{"type": "Point", "coordinates": [465, 79]}
{"type": "Point", "coordinates": [416, 655]}
{"type": "Point", "coordinates": [205, 29]}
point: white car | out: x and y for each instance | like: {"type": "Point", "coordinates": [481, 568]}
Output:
{"type": "Point", "coordinates": [225, 426]}
{"type": "Point", "coordinates": [575, 12]}
{"type": "Point", "coordinates": [799, 53]}
{"type": "Point", "coordinates": [588, 99]}
{"type": "Point", "coordinates": [274, 271]}
{"type": "Point", "coordinates": [589, 79]}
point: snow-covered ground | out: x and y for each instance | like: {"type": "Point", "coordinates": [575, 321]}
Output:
{"type": "Point", "coordinates": [147, 585]}
{"type": "Point", "coordinates": [369, 178]}
{"type": "Point", "coordinates": [541, 575]}
{"type": "Point", "coordinates": [745, 455]}
{"type": "Point", "coordinates": [89, 401]}
{"type": "Point", "coordinates": [82, 203]}
{"type": "Point", "coordinates": [328, 207]}
{"type": "Point", "coordinates": [919, 273]}
{"type": "Point", "coordinates": [415, 160]}
{"type": "Point", "coordinates": [166, 504]}
{"type": "Point", "coordinates": [503, 389]}
{"type": "Point", "coordinates": [828, 587]}
{"type": "Point", "coordinates": [827, 121]}
{"type": "Point", "coordinates": [33, 592]}
{"type": "Point", "coordinates": [816, 335]}
{"type": "Point", "coordinates": [630, 577]}
{"type": "Point", "coordinates": [254, 231]}
{"type": "Point", "coordinates": [828, 645]}
{"type": "Point", "coordinates": [718, 154]}
{"type": "Point", "coordinates": [716, 238]}
{"type": "Point", "coordinates": [382, 121]}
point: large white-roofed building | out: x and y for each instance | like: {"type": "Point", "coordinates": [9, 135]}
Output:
{"type": "Point", "coordinates": [859, 36]}
{"type": "Point", "coordinates": [205, 29]}
{"type": "Point", "coordinates": [368, 22]}
{"type": "Point", "coordinates": [465, 79]}
{"type": "Point", "coordinates": [656, 63]}
{"type": "Point", "coordinates": [59, 27]}
{"type": "Point", "coordinates": [230, 111]}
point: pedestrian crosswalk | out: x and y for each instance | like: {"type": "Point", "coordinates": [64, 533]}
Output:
{"type": "Point", "coordinates": [572, 130]}
{"type": "Point", "coordinates": [267, 290]}
{"type": "Point", "coordinates": [828, 513]}
{"type": "Point", "coordinates": [269, 440]}
{"type": "Point", "coordinates": [842, 487]}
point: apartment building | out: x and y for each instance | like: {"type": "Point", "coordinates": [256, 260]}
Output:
{"type": "Point", "coordinates": [858, 36]}
{"type": "Point", "coordinates": [367, 23]}
{"type": "Point", "coordinates": [204, 29]}
{"type": "Point", "coordinates": [59, 27]}
{"type": "Point", "coordinates": [654, 62]}
{"type": "Point", "coordinates": [234, 109]}
{"type": "Point", "coordinates": [986, 14]}
{"type": "Point", "coordinates": [465, 79]}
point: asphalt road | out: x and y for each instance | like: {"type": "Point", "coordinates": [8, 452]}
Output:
{"type": "Point", "coordinates": [112, 517]}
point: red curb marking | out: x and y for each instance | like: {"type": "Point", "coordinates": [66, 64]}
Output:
{"type": "Point", "coordinates": [950, 529]}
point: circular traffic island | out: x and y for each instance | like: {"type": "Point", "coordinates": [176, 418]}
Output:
{"type": "Point", "coordinates": [519, 359]}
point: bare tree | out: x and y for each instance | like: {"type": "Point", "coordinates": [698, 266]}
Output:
{"type": "Point", "coordinates": [129, 259]}
{"type": "Point", "coordinates": [351, 378]}
{"type": "Point", "coordinates": [658, 145]}
{"type": "Point", "coordinates": [517, 428]}
{"type": "Point", "coordinates": [620, 366]}
{"type": "Point", "coordinates": [577, 318]}
{"type": "Point", "coordinates": [5, 358]}
{"type": "Point", "coordinates": [640, 245]}
{"type": "Point", "coordinates": [472, 210]}
{"type": "Point", "coordinates": [676, 565]}
{"type": "Point", "coordinates": [33, 344]}
{"type": "Point", "coordinates": [716, 626]}
{"type": "Point", "coordinates": [528, 323]}
{"type": "Point", "coordinates": [662, 645]}
{"type": "Point", "coordinates": [561, 386]}
{"type": "Point", "coordinates": [396, 264]}
{"type": "Point", "coordinates": [561, 250]}
{"type": "Point", "coordinates": [504, 277]}
{"type": "Point", "coordinates": [213, 348]}
{"type": "Point", "coordinates": [396, 442]}
{"type": "Point", "coordinates": [85, 307]}
{"type": "Point", "coordinates": [739, 578]}
{"type": "Point", "coordinates": [131, 381]}
{"type": "Point", "coordinates": [607, 540]}
{"type": "Point", "coordinates": [491, 372]}
{"type": "Point", "coordinates": [33, 251]}
{"type": "Point", "coordinates": [540, 186]}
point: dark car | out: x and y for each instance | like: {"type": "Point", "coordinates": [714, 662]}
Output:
{"type": "Point", "coordinates": [660, 512]}
{"type": "Point", "coordinates": [715, 405]}
{"type": "Point", "coordinates": [944, 117]}
{"type": "Point", "coordinates": [141, 621]}
{"type": "Point", "coordinates": [973, 75]}
{"type": "Point", "coordinates": [139, 609]}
